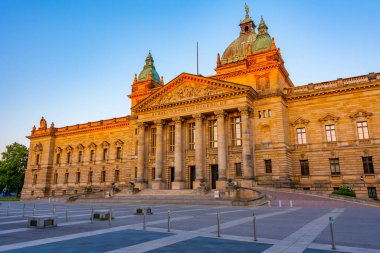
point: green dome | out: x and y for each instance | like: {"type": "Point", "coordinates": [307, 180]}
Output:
{"type": "Point", "coordinates": [149, 68]}
{"type": "Point", "coordinates": [263, 40]}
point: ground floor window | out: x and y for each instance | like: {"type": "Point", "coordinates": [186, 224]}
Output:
{"type": "Point", "coordinates": [368, 165]}
{"type": "Point", "coordinates": [238, 171]}
{"type": "Point", "coordinates": [372, 192]}
{"type": "Point", "coordinates": [304, 168]}
{"type": "Point", "coordinates": [268, 166]}
{"type": "Point", "coordinates": [334, 166]}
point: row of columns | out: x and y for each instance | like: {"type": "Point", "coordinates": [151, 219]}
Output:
{"type": "Point", "coordinates": [199, 152]}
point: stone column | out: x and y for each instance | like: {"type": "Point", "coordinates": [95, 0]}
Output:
{"type": "Point", "coordinates": [178, 161]}
{"type": "Point", "coordinates": [141, 157]}
{"type": "Point", "coordinates": [158, 184]}
{"type": "Point", "coordinates": [246, 145]}
{"type": "Point", "coordinates": [199, 154]}
{"type": "Point", "coordinates": [222, 150]}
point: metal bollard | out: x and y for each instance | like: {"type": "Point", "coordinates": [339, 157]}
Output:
{"type": "Point", "coordinates": [54, 210]}
{"type": "Point", "coordinates": [168, 220]}
{"type": "Point", "coordinates": [144, 219]}
{"type": "Point", "coordinates": [333, 245]}
{"type": "Point", "coordinates": [254, 228]}
{"type": "Point", "coordinates": [110, 216]}
{"type": "Point", "coordinates": [92, 215]}
{"type": "Point", "coordinates": [268, 203]}
{"type": "Point", "coordinates": [291, 203]}
{"type": "Point", "coordinates": [34, 209]}
{"type": "Point", "coordinates": [67, 215]}
{"type": "Point", "coordinates": [8, 209]}
{"type": "Point", "coordinates": [23, 210]}
{"type": "Point", "coordinates": [218, 221]}
{"type": "Point", "coordinates": [279, 203]}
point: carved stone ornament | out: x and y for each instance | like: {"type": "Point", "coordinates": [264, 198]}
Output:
{"type": "Point", "coordinates": [69, 148]}
{"type": "Point", "coordinates": [142, 125]}
{"type": "Point", "coordinates": [177, 120]}
{"type": "Point", "coordinates": [119, 143]}
{"type": "Point", "coordinates": [80, 147]}
{"type": "Point", "coordinates": [300, 121]}
{"type": "Point", "coordinates": [38, 147]}
{"type": "Point", "coordinates": [328, 117]}
{"type": "Point", "coordinates": [159, 122]}
{"type": "Point", "coordinates": [187, 92]}
{"type": "Point", "coordinates": [245, 110]}
{"type": "Point", "coordinates": [220, 113]}
{"type": "Point", "coordinates": [105, 144]}
{"type": "Point", "coordinates": [361, 114]}
{"type": "Point", "coordinates": [198, 116]}
{"type": "Point", "coordinates": [92, 145]}
{"type": "Point", "coordinates": [58, 150]}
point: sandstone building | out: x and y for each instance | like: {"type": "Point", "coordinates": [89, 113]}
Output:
{"type": "Point", "coordinates": [247, 123]}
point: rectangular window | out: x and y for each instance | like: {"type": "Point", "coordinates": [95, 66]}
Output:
{"type": "Point", "coordinates": [191, 136]}
{"type": "Point", "coordinates": [35, 179]}
{"type": "Point", "coordinates": [105, 154]}
{"type": "Point", "coordinates": [77, 180]}
{"type": "Point", "coordinates": [103, 176]}
{"type": "Point", "coordinates": [56, 178]}
{"type": "Point", "coordinates": [153, 173]}
{"type": "Point", "coordinates": [330, 133]}
{"type": "Point", "coordinates": [268, 166]}
{"type": "Point", "coordinates": [171, 138]}
{"type": "Point", "coordinates": [80, 155]}
{"type": "Point", "coordinates": [304, 167]}
{"type": "Point", "coordinates": [362, 130]}
{"type": "Point", "coordinates": [117, 175]}
{"type": "Point", "coordinates": [236, 131]}
{"type": "Point", "coordinates": [58, 159]}
{"type": "Point", "coordinates": [69, 157]}
{"type": "Point", "coordinates": [38, 159]}
{"type": "Point", "coordinates": [238, 171]}
{"type": "Point", "coordinates": [334, 166]}
{"type": "Point", "coordinates": [90, 176]}
{"type": "Point", "coordinates": [153, 140]}
{"type": "Point", "coordinates": [66, 178]}
{"type": "Point", "coordinates": [301, 135]}
{"type": "Point", "coordinates": [118, 153]}
{"type": "Point", "coordinates": [372, 192]}
{"type": "Point", "coordinates": [259, 113]}
{"type": "Point", "coordinates": [213, 133]}
{"type": "Point", "coordinates": [368, 165]}
{"type": "Point", "coordinates": [135, 172]}
{"type": "Point", "coordinates": [269, 113]}
{"type": "Point", "coordinates": [92, 155]}
{"type": "Point", "coordinates": [264, 114]}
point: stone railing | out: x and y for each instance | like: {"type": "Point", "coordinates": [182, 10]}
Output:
{"type": "Point", "coordinates": [340, 82]}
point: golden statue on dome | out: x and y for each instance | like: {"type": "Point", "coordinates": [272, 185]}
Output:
{"type": "Point", "coordinates": [246, 9]}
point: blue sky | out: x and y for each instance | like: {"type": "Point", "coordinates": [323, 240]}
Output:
{"type": "Point", "coordinates": [73, 61]}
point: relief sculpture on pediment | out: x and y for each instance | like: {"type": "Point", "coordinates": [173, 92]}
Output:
{"type": "Point", "coordinates": [187, 92]}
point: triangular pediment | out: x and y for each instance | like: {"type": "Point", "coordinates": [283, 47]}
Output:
{"type": "Point", "coordinates": [361, 114]}
{"type": "Point", "coordinates": [186, 88]}
{"type": "Point", "coordinates": [300, 121]}
{"type": "Point", "coordinates": [329, 117]}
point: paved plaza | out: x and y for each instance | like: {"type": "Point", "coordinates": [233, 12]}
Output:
{"type": "Point", "coordinates": [304, 227]}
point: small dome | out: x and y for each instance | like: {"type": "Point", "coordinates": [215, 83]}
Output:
{"type": "Point", "coordinates": [263, 40]}
{"type": "Point", "coordinates": [148, 70]}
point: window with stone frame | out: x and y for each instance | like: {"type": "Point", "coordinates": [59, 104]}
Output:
{"type": "Point", "coordinates": [171, 138]}
{"type": "Point", "coordinates": [58, 158]}
{"type": "Point", "coordinates": [301, 135]}
{"type": "Point", "coordinates": [80, 156]}
{"type": "Point", "coordinates": [135, 173]}
{"type": "Point", "coordinates": [268, 165]}
{"type": "Point", "coordinates": [372, 192]}
{"type": "Point", "coordinates": [56, 178]}
{"type": "Point", "coordinates": [191, 129]}
{"type": "Point", "coordinates": [236, 131]}
{"type": "Point", "coordinates": [117, 175]}
{"type": "Point", "coordinates": [213, 133]}
{"type": "Point", "coordinates": [304, 168]}
{"type": "Point", "coordinates": [238, 171]}
{"type": "Point", "coordinates": [90, 174]}
{"type": "Point", "coordinates": [153, 173]}
{"type": "Point", "coordinates": [66, 178]}
{"type": "Point", "coordinates": [92, 155]}
{"type": "Point", "coordinates": [118, 153]}
{"type": "Point", "coordinates": [103, 176]}
{"type": "Point", "coordinates": [330, 133]}
{"type": "Point", "coordinates": [68, 161]}
{"type": "Point", "coordinates": [77, 179]}
{"type": "Point", "coordinates": [105, 154]}
{"type": "Point", "coordinates": [34, 179]}
{"type": "Point", "coordinates": [153, 132]}
{"type": "Point", "coordinates": [368, 165]}
{"type": "Point", "coordinates": [334, 166]}
{"type": "Point", "coordinates": [362, 127]}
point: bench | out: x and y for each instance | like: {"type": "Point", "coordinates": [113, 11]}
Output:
{"type": "Point", "coordinates": [140, 211]}
{"type": "Point", "coordinates": [101, 215]}
{"type": "Point", "coordinates": [42, 221]}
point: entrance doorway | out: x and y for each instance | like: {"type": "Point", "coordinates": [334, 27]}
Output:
{"type": "Point", "coordinates": [214, 175]}
{"type": "Point", "coordinates": [171, 176]}
{"type": "Point", "coordinates": [192, 176]}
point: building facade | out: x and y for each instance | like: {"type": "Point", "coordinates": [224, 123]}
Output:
{"type": "Point", "coordinates": [247, 123]}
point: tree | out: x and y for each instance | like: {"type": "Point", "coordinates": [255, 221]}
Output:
{"type": "Point", "coordinates": [12, 167]}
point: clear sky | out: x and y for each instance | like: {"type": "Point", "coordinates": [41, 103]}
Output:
{"type": "Point", "coordinates": [73, 61]}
